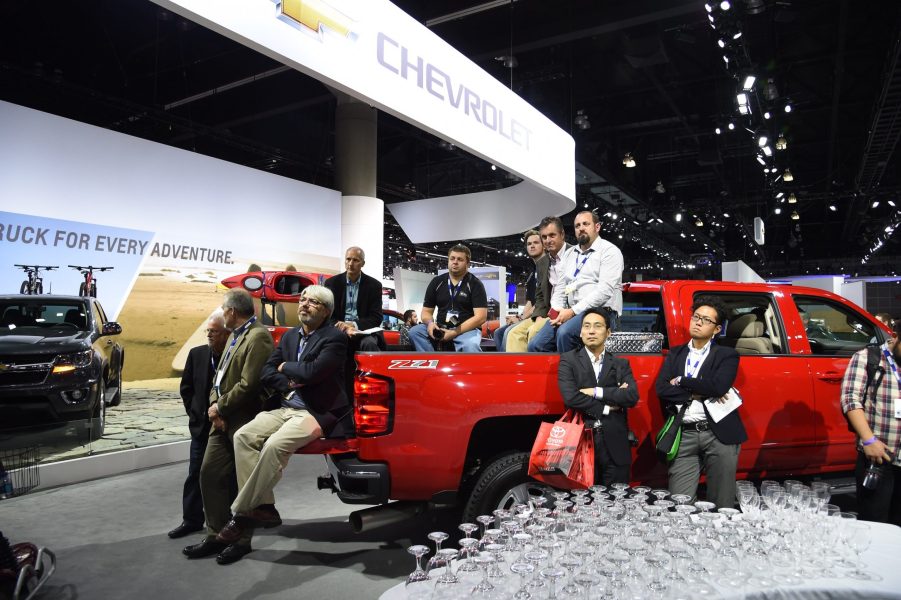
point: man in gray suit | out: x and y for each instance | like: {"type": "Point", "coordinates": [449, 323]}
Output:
{"type": "Point", "coordinates": [237, 396]}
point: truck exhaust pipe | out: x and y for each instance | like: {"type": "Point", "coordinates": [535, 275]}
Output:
{"type": "Point", "coordinates": [385, 514]}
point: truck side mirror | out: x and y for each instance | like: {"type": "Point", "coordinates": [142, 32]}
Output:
{"type": "Point", "coordinates": [111, 328]}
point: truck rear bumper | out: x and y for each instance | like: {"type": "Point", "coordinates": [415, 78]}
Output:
{"type": "Point", "coordinates": [357, 482]}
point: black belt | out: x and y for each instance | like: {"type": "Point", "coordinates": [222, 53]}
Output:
{"type": "Point", "coordinates": [696, 426]}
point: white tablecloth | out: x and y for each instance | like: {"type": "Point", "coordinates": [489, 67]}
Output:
{"type": "Point", "coordinates": [883, 558]}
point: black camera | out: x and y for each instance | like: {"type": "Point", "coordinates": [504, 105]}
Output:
{"type": "Point", "coordinates": [450, 322]}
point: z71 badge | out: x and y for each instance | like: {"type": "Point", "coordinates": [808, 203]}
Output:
{"type": "Point", "coordinates": [413, 364]}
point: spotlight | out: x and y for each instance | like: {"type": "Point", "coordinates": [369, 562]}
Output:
{"type": "Point", "coordinates": [659, 187]}
{"type": "Point", "coordinates": [788, 108]}
{"type": "Point", "coordinates": [762, 139]}
{"type": "Point", "coordinates": [718, 130]}
{"type": "Point", "coordinates": [760, 159]}
{"type": "Point", "coordinates": [787, 176]}
{"type": "Point", "coordinates": [725, 5]}
{"type": "Point", "coordinates": [699, 222]}
{"type": "Point", "coordinates": [875, 204]}
{"type": "Point", "coordinates": [795, 216]}
{"type": "Point", "coordinates": [833, 207]}
{"type": "Point", "coordinates": [778, 211]}
{"type": "Point", "coordinates": [781, 144]}
{"type": "Point", "coordinates": [678, 217]}
{"type": "Point", "coordinates": [767, 115]}
{"type": "Point", "coordinates": [792, 199]}
{"type": "Point", "coordinates": [767, 150]}
{"type": "Point", "coordinates": [731, 126]}
{"type": "Point", "coordinates": [748, 83]}
{"type": "Point", "coordinates": [628, 161]}
{"type": "Point", "coordinates": [891, 203]}
{"type": "Point", "coordinates": [725, 214]}
{"type": "Point", "coordinates": [493, 168]}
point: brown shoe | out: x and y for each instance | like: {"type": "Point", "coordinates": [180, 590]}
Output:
{"type": "Point", "coordinates": [231, 533]}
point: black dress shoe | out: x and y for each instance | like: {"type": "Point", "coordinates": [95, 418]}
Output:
{"type": "Point", "coordinates": [231, 533]}
{"type": "Point", "coordinates": [183, 530]}
{"type": "Point", "coordinates": [207, 547]}
{"type": "Point", "coordinates": [233, 553]}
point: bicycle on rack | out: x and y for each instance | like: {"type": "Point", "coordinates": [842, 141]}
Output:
{"type": "Point", "coordinates": [34, 284]}
{"type": "Point", "coordinates": [89, 286]}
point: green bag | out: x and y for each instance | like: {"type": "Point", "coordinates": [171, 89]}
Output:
{"type": "Point", "coordinates": [670, 436]}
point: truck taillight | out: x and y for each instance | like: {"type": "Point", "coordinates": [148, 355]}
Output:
{"type": "Point", "coordinates": [373, 404]}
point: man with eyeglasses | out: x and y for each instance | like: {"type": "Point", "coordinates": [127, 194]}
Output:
{"type": "Point", "coordinates": [698, 373]}
{"type": "Point", "coordinates": [236, 397]}
{"type": "Point", "coordinates": [196, 381]}
{"type": "Point", "coordinates": [307, 373]}
{"type": "Point", "coordinates": [602, 386]}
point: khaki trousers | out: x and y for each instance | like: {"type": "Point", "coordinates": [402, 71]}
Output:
{"type": "Point", "coordinates": [519, 335]}
{"type": "Point", "coordinates": [262, 450]}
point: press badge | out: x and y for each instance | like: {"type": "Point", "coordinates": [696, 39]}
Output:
{"type": "Point", "coordinates": [570, 289]}
{"type": "Point", "coordinates": [898, 408]}
{"type": "Point", "coordinates": [451, 315]}
{"type": "Point", "coordinates": [219, 374]}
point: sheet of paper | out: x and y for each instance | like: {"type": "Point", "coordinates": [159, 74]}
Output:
{"type": "Point", "coordinates": [718, 410]}
{"type": "Point", "coordinates": [367, 331]}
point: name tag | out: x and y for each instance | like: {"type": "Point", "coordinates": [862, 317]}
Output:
{"type": "Point", "coordinates": [898, 408]}
{"type": "Point", "coordinates": [569, 289]}
{"type": "Point", "coordinates": [219, 375]}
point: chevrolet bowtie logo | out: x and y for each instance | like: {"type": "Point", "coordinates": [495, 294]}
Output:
{"type": "Point", "coordinates": [316, 15]}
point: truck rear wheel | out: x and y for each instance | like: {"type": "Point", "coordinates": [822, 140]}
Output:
{"type": "Point", "coordinates": [502, 484]}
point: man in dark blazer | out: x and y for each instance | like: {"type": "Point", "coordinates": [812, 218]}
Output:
{"type": "Point", "coordinates": [307, 373]}
{"type": "Point", "coordinates": [196, 381]}
{"type": "Point", "coordinates": [697, 373]}
{"type": "Point", "coordinates": [358, 303]}
{"type": "Point", "coordinates": [601, 386]}
{"type": "Point", "coordinates": [235, 398]}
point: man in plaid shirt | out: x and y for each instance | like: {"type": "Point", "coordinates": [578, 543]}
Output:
{"type": "Point", "coordinates": [877, 423]}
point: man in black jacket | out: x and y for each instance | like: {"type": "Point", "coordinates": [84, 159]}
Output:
{"type": "Point", "coordinates": [307, 372]}
{"type": "Point", "coordinates": [358, 303]}
{"type": "Point", "coordinates": [601, 386]}
{"type": "Point", "coordinates": [699, 373]}
{"type": "Point", "coordinates": [196, 381]}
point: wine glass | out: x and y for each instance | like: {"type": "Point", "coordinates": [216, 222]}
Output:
{"type": "Point", "coordinates": [522, 568]}
{"type": "Point", "coordinates": [468, 546]}
{"type": "Point", "coordinates": [484, 560]}
{"type": "Point", "coordinates": [704, 506]}
{"type": "Point", "coordinates": [657, 560]}
{"type": "Point", "coordinates": [485, 521]}
{"type": "Point", "coordinates": [661, 493]}
{"type": "Point", "coordinates": [436, 561]}
{"type": "Point", "coordinates": [448, 577]}
{"type": "Point", "coordinates": [859, 539]}
{"type": "Point", "coordinates": [571, 563]}
{"type": "Point", "coordinates": [552, 574]}
{"type": "Point", "coordinates": [680, 498]}
{"type": "Point", "coordinates": [419, 575]}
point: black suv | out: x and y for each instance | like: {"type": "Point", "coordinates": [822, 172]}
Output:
{"type": "Point", "coordinates": [59, 362]}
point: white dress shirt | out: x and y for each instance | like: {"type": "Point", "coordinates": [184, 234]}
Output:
{"type": "Point", "coordinates": [591, 279]}
{"type": "Point", "coordinates": [696, 358]}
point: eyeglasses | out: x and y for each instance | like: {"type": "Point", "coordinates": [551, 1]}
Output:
{"type": "Point", "coordinates": [311, 301]}
{"type": "Point", "coordinates": [702, 319]}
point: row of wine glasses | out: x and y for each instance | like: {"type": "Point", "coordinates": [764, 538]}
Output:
{"type": "Point", "coordinates": [637, 542]}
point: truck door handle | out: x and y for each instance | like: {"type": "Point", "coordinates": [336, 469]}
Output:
{"type": "Point", "coordinates": [831, 376]}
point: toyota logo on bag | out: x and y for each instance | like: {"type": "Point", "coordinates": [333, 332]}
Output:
{"type": "Point", "coordinates": [555, 436]}
{"type": "Point", "coordinates": [558, 432]}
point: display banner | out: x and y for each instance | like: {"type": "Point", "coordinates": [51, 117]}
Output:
{"type": "Point", "coordinates": [172, 223]}
{"type": "Point", "coordinates": [375, 52]}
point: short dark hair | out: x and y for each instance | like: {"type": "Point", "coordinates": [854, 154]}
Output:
{"type": "Point", "coordinates": [713, 302]}
{"type": "Point", "coordinates": [594, 216]}
{"type": "Point", "coordinates": [602, 312]}
{"type": "Point", "coordinates": [462, 250]}
{"type": "Point", "coordinates": [408, 313]}
{"type": "Point", "coordinates": [528, 234]}
{"type": "Point", "coordinates": [552, 220]}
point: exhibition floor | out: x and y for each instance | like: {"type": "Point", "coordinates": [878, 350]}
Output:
{"type": "Point", "coordinates": [109, 537]}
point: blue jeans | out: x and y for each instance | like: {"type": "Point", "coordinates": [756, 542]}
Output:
{"type": "Point", "coordinates": [500, 338]}
{"type": "Point", "coordinates": [465, 342]}
{"type": "Point", "coordinates": [564, 338]}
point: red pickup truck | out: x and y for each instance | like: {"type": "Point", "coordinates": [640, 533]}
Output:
{"type": "Point", "coordinates": [457, 428]}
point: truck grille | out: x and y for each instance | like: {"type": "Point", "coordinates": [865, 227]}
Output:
{"type": "Point", "coordinates": [24, 370]}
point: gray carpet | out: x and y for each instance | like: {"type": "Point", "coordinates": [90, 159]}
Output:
{"type": "Point", "coordinates": [110, 540]}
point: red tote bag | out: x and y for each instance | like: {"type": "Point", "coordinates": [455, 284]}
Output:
{"type": "Point", "coordinates": [563, 453]}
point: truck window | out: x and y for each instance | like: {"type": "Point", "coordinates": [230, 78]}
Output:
{"type": "Point", "coordinates": [753, 325]}
{"type": "Point", "coordinates": [643, 313]}
{"type": "Point", "coordinates": [834, 329]}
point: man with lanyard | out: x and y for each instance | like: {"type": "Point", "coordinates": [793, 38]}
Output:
{"type": "Point", "coordinates": [196, 381]}
{"type": "Point", "coordinates": [462, 307]}
{"type": "Point", "coordinates": [535, 251]}
{"type": "Point", "coordinates": [592, 278]}
{"type": "Point", "coordinates": [237, 396]}
{"type": "Point", "coordinates": [698, 373]}
{"type": "Point", "coordinates": [876, 420]}
{"type": "Point", "coordinates": [549, 272]}
{"type": "Point", "coordinates": [358, 303]}
{"type": "Point", "coordinates": [307, 373]}
{"type": "Point", "coordinates": [602, 386]}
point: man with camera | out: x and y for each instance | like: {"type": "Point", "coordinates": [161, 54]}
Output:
{"type": "Point", "coordinates": [873, 409]}
{"type": "Point", "coordinates": [462, 307]}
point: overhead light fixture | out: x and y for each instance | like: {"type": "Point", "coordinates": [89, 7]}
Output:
{"type": "Point", "coordinates": [718, 130]}
{"type": "Point", "coordinates": [725, 214]}
{"type": "Point", "coordinates": [731, 126]}
{"type": "Point", "coordinates": [767, 151]}
{"type": "Point", "coordinates": [581, 121]}
{"type": "Point", "coordinates": [678, 217]}
{"type": "Point", "coordinates": [891, 203]}
{"type": "Point", "coordinates": [875, 204]}
{"type": "Point", "coordinates": [760, 159]}
{"type": "Point", "coordinates": [682, 234]}
{"type": "Point", "coordinates": [767, 115]}
{"type": "Point", "coordinates": [778, 211]}
{"type": "Point", "coordinates": [779, 194]}
{"type": "Point", "coordinates": [787, 176]}
{"type": "Point", "coordinates": [781, 144]}
{"type": "Point", "coordinates": [762, 139]}
{"type": "Point", "coordinates": [699, 222]}
{"type": "Point", "coordinates": [833, 207]}
{"type": "Point", "coordinates": [795, 216]}
{"type": "Point", "coordinates": [748, 83]}
{"type": "Point", "coordinates": [788, 107]}
{"type": "Point", "coordinates": [493, 168]}
{"type": "Point", "coordinates": [659, 187]}
{"type": "Point", "coordinates": [725, 5]}
{"type": "Point", "coordinates": [628, 161]}
{"type": "Point", "coordinates": [792, 199]}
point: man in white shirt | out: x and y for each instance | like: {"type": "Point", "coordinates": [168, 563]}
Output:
{"type": "Point", "coordinates": [592, 277]}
